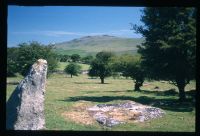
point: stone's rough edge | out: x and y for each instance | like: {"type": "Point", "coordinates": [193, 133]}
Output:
{"type": "Point", "coordinates": [40, 61]}
{"type": "Point", "coordinates": [20, 107]}
{"type": "Point", "coordinates": [38, 65]}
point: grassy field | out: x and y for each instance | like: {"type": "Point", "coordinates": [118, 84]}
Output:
{"type": "Point", "coordinates": [64, 93]}
{"type": "Point", "coordinates": [90, 45]}
{"type": "Point", "coordinates": [62, 65]}
{"type": "Point", "coordinates": [82, 53]}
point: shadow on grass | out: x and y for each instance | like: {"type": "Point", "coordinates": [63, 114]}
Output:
{"type": "Point", "coordinates": [13, 82]}
{"type": "Point", "coordinates": [89, 83]}
{"type": "Point", "coordinates": [121, 91]}
{"type": "Point", "coordinates": [170, 92]}
{"type": "Point", "coordinates": [87, 92]}
{"type": "Point", "coordinates": [191, 93]}
{"type": "Point", "coordinates": [97, 98]}
{"type": "Point", "coordinates": [165, 103]}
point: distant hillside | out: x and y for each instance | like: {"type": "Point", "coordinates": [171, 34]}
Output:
{"type": "Point", "coordinates": [93, 44]}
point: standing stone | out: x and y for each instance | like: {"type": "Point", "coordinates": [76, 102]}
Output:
{"type": "Point", "coordinates": [25, 107]}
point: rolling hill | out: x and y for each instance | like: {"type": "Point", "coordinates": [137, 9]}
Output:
{"type": "Point", "coordinates": [90, 45]}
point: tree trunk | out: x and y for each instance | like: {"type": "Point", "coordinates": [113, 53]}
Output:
{"type": "Point", "coordinates": [138, 84]}
{"type": "Point", "coordinates": [137, 87]}
{"type": "Point", "coordinates": [102, 80]}
{"type": "Point", "coordinates": [181, 87]}
{"type": "Point", "coordinates": [71, 75]}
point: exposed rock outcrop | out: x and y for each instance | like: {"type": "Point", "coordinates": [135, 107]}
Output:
{"type": "Point", "coordinates": [25, 107]}
{"type": "Point", "coordinates": [113, 114]}
{"type": "Point", "coordinates": [109, 115]}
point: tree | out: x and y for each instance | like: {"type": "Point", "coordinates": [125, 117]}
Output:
{"type": "Point", "coordinates": [11, 61]}
{"type": "Point", "coordinates": [87, 59]}
{"type": "Point", "coordinates": [169, 50]}
{"type": "Point", "coordinates": [73, 69]}
{"type": "Point", "coordinates": [75, 57]}
{"type": "Point", "coordinates": [100, 66]}
{"type": "Point", "coordinates": [134, 70]}
{"type": "Point", "coordinates": [28, 53]}
{"type": "Point", "coordinates": [129, 66]}
{"type": "Point", "coordinates": [64, 58]}
{"type": "Point", "coordinates": [92, 72]}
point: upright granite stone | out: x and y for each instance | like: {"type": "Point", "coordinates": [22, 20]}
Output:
{"type": "Point", "coordinates": [25, 107]}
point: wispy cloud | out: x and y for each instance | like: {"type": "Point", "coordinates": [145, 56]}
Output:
{"type": "Point", "coordinates": [48, 33]}
{"type": "Point", "coordinates": [122, 32]}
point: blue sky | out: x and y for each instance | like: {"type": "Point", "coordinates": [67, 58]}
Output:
{"type": "Point", "coordinates": [50, 24]}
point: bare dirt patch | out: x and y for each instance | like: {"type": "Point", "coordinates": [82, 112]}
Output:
{"type": "Point", "coordinates": [123, 115]}
{"type": "Point", "coordinates": [79, 117]}
{"type": "Point", "coordinates": [79, 114]}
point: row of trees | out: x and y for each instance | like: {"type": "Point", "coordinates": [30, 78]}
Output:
{"type": "Point", "coordinates": [168, 53]}
{"type": "Point", "coordinates": [20, 59]}
{"type": "Point", "coordinates": [106, 64]}
{"type": "Point", "coordinates": [169, 50]}
{"type": "Point", "coordinates": [75, 58]}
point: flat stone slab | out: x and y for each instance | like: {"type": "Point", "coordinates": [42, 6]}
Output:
{"type": "Point", "coordinates": [113, 114]}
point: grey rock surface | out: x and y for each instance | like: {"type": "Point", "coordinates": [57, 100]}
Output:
{"type": "Point", "coordinates": [25, 107]}
{"type": "Point", "coordinates": [109, 122]}
{"type": "Point", "coordinates": [110, 115]}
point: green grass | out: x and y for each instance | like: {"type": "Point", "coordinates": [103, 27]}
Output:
{"type": "Point", "coordinates": [63, 92]}
{"type": "Point", "coordinates": [62, 65]}
{"type": "Point", "coordinates": [82, 53]}
{"type": "Point", "coordinates": [93, 44]}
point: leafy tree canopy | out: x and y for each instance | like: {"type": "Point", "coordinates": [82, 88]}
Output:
{"type": "Point", "coordinates": [75, 57]}
{"type": "Point", "coordinates": [87, 59]}
{"type": "Point", "coordinates": [169, 50]}
{"type": "Point", "coordinates": [12, 66]}
{"type": "Point", "coordinates": [73, 69]}
{"type": "Point", "coordinates": [100, 65]}
{"type": "Point", "coordinates": [129, 66]}
{"type": "Point", "coordinates": [64, 58]}
{"type": "Point", "coordinates": [28, 53]}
